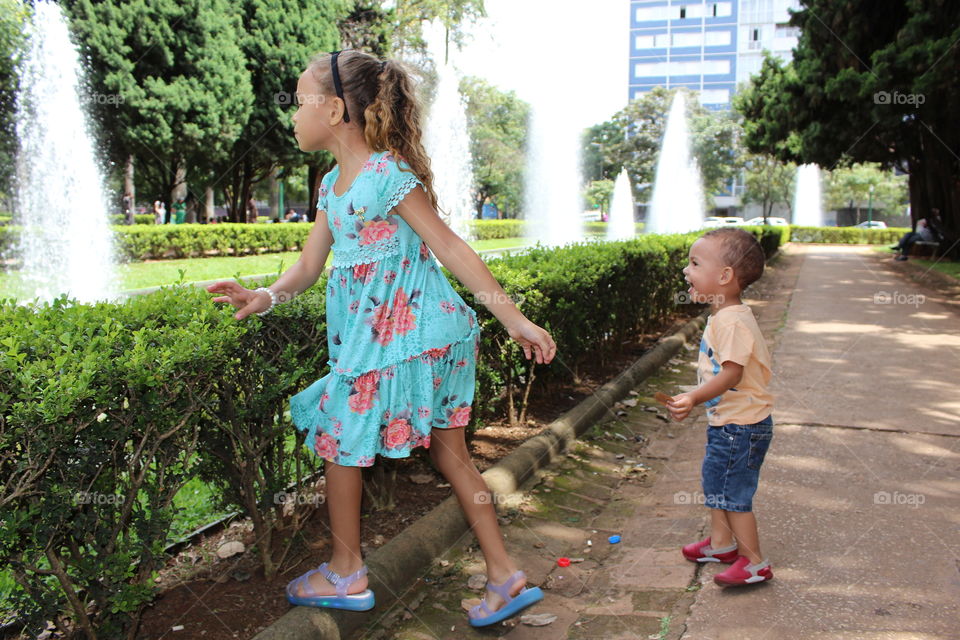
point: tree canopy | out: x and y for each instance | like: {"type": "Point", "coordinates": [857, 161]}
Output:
{"type": "Point", "coordinates": [631, 139]}
{"type": "Point", "coordinates": [868, 83]}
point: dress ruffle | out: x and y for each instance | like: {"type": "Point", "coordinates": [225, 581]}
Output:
{"type": "Point", "coordinates": [388, 411]}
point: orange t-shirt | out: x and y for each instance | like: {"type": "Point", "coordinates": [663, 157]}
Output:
{"type": "Point", "coordinates": [732, 334]}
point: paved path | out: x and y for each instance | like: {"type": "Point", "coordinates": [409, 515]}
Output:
{"type": "Point", "coordinates": [858, 503]}
{"type": "Point", "coordinates": [859, 495]}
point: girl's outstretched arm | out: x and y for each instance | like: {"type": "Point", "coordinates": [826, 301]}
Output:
{"type": "Point", "coordinates": [460, 258]}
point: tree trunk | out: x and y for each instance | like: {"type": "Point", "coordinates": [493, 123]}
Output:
{"type": "Point", "coordinates": [209, 212]}
{"type": "Point", "coordinates": [275, 196]}
{"type": "Point", "coordinates": [129, 190]}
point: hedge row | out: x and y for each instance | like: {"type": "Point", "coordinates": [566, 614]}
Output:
{"type": "Point", "coordinates": [157, 242]}
{"type": "Point", "coordinates": [846, 235]}
{"type": "Point", "coordinates": [109, 409]}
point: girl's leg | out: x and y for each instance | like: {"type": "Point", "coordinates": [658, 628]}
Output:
{"type": "Point", "coordinates": [344, 489]}
{"type": "Point", "coordinates": [448, 450]}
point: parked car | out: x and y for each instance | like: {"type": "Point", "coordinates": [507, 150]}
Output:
{"type": "Point", "coordinates": [872, 224]}
{"type": "Point", "coordinates": [776, 222]}
{"type": "Point", "coordinates": [722, 221]}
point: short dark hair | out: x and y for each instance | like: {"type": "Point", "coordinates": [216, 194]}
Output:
{"type": "Point", "coordinates": [740, 251]}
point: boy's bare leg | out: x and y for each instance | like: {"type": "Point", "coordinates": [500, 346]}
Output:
{"type": "Point", "coordinates": [744, 526]}
{"type": "Point", "coordinates": [721, 533]}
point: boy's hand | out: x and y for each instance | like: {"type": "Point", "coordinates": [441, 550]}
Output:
{"type": "Point", "coordinates": [244, 299]}
{"type": "Point", "coordinates": [535, 338]}
{"type": "Point", "coordinates": [680, 406]}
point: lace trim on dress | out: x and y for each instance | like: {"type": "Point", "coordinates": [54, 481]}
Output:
{"type": "Point", "coordinates": [402, 190]}
{"type": "Point", "coordinates": [368, 253]}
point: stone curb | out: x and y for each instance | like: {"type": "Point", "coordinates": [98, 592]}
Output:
{"type": "Point", "coordinates": [413, 550]}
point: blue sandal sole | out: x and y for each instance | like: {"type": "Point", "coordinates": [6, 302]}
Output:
{"type": "Point", "coordinates": [362, 601]}
{"type": "Point", "coordinates": [521, 601]}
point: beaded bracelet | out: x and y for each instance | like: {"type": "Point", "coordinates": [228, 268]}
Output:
{"type": "Point", "coordinates": [273, 300]}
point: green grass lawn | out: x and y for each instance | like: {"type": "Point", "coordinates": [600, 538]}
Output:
{"type": "Point", "coordinates": [944, 265]}
{"type": "Point", "coordinates": [140, 275]}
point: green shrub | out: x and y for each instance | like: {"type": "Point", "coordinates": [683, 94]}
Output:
{"type": "Point", "coordinates": [846, 235]}
{"type": "Point", "coordinates": [497, 229]}
{"type": "Point", "coordinates": [108, 410]}
{"type": "Point", "coordinates": [138, 218]}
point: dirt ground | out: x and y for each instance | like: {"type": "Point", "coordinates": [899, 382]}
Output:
{"type": "Point", "coordinates": [216, 599]}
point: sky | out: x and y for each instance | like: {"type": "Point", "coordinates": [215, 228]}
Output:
{"type": "Point", "coordinates": [572, 51]}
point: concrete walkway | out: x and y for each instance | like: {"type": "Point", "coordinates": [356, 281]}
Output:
{"type": "Point", "coordinates": [859, 496]}
{"type": "Point", "coordinates": [858, 500]}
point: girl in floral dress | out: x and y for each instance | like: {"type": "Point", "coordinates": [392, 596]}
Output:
{"type": "Point", "coordinates": [402, 343]}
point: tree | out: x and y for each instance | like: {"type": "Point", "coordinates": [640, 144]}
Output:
{"type": "Point", "coordinates": [869, 85]}
{"type": "Point", "coordinates": [497, 121]}
{"type": "Point", "coordinates": [598, 194]}
{"type": "Point", "coordinates": [409, 16]}
{"type": "Point", "coordinates": [278, 39]}
{"type": "Point", "coordinates": [181, 81]}
{"type": "Point", "coordinates": [768, 182]}
{"type": "Point", "coordinates": [13, 15]}
{"type": "Point", "coordinates": [632, 138]}
{"type": "Point", "coordinates": [850, 188]}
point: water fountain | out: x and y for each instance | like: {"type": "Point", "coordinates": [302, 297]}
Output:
{"type": "Point", "coordinates": [59, 199]}
{"type": "Point", "coordinates": [447, 140]}
{"type": "Point", "coordinates": [621, 223]}
{"type": "Point", "coordinates": [807, 207]}
{"type": "Point", "coordinates": [552, 198]}
{"type": "Point", "coordinates": [677, 204]}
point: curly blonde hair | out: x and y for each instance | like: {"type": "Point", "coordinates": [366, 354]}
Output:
{"type": "Point", "coordinates": [384, 95]}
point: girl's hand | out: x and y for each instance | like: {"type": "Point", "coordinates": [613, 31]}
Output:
{"type": "Point", "coordinates": [680, 406]}
{"type": "Point", "coordinates": [240, 297]}
{"type": "Point", "coordinates": [531, 336]}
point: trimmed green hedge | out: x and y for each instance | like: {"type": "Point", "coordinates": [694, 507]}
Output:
{"type": "Point", "coordinates": [138, 218]}
{"type": "Point", "coordinates": [109, 409]}
{"type": "Point", "coordinates": [846, 235]}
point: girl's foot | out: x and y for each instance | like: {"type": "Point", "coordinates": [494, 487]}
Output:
{"type": "Point", "coordinates": [504, 600]}
{"type": "Point", "coordinates": [320, 586]}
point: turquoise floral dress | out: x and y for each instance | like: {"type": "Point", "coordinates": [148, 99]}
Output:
{"type": "Point", "coordinates": [403, 344]}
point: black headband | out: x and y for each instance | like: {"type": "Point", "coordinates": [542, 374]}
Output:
{"type": "Point", "coordinates": [336, 83]}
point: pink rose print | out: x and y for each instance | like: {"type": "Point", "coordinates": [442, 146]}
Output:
{"type": "Point", "coordinates": [397, 433]}
{"type": "Point", "coordinates": [367, 165]}
{"type": "Point", "coordinates": [436, 354]}
{"type": "Point", "coordinates": [354, 306]}
{"type": "Point", "coordinates": [436, 382]}
{"type": "Point", "coordinates": [424, 251]}
{"type": "Point", "coordinates": [323, 190]}
{"type": "Point", "coordinates": [403, 319]}
{"type": "Point", "coordinates": [389, 276]}
{"type": "Point", "coordinates": [375, 231]}
{"type": "Point", "coordinates": [326, 446]}
{"type": "Point", "coordinates": [423, 412]}
{"type": "Point", "coordinates": [382, 165]}
{"type": "Point", "coordinates": [447, 307]}
{"type": "Point", "coordinates": [458, 417]}
{"type": "Point", "coordinates": [382, 324]}
{"type": "Point", "coordinates": [368, 382]}
{"type": "Point", "coordinates": [364, 392]}
{"type": "Point", "coordinates": [343, 280]}
{"type": "Point", "coordinates": [323, 401]}
{"type": "Point", "coordinates": [365, 271]}
{"type": "Point", "coordinates": [336, 222]}
{"type": "Point", "coordinates": [460, 363]}
{"type": "Point", "coordinates": [405, 264]}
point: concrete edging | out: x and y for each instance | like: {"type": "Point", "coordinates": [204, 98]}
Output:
{"type": "Point", "coordinates": [414, 548]}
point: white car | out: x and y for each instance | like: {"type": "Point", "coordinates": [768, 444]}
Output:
{"type": "Point", "coordinates": [721, 221]}
{"type": "Point", "coordinates": [776, 222]}
{"type": "Point", "coordinates": [873, 224]}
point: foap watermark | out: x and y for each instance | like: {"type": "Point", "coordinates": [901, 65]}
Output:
{"type": "Point", "coordinates": [295, 498]}
{"type": "Point", "coordinates": [110, 99]}
{"type": "Point", "coordinates": [895, 97]}
{"type": "Point", "coordinates": [95, 497]}
{"type": "Point", "coordinates": [690, 497]}
{"type": "Point", "coordinates": [286, 99]}
{"type": "Point", "coordinates": [896, 498]}
{"type": "Point", "coordinates": [685, 297]}
{"type": "Point", "coordinates": [486, 497]}
{"type": "Point", "coordinates": [498, 297]}
{"type": "Point", "coordinates": [898, 297]}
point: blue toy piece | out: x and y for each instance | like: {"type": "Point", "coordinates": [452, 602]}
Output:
{"type": "Point", "coordinates": [362, 601]}
{"type": "Point", "coordinates": [614, 539]}
{"type": "Point", "coordinates": [512, 604]}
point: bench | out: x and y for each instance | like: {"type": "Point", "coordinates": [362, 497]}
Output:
{"type": "Point", "coordinates": [923, 249]}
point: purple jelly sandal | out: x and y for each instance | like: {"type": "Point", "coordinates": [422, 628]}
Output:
{"type": "Point", "coordinates": [362, 601]}
{"type": "Point", "coordinates": [481, 615]}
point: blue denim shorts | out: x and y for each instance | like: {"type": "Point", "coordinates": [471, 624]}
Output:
{"type": "Point", "coordinates": [731, 466]}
